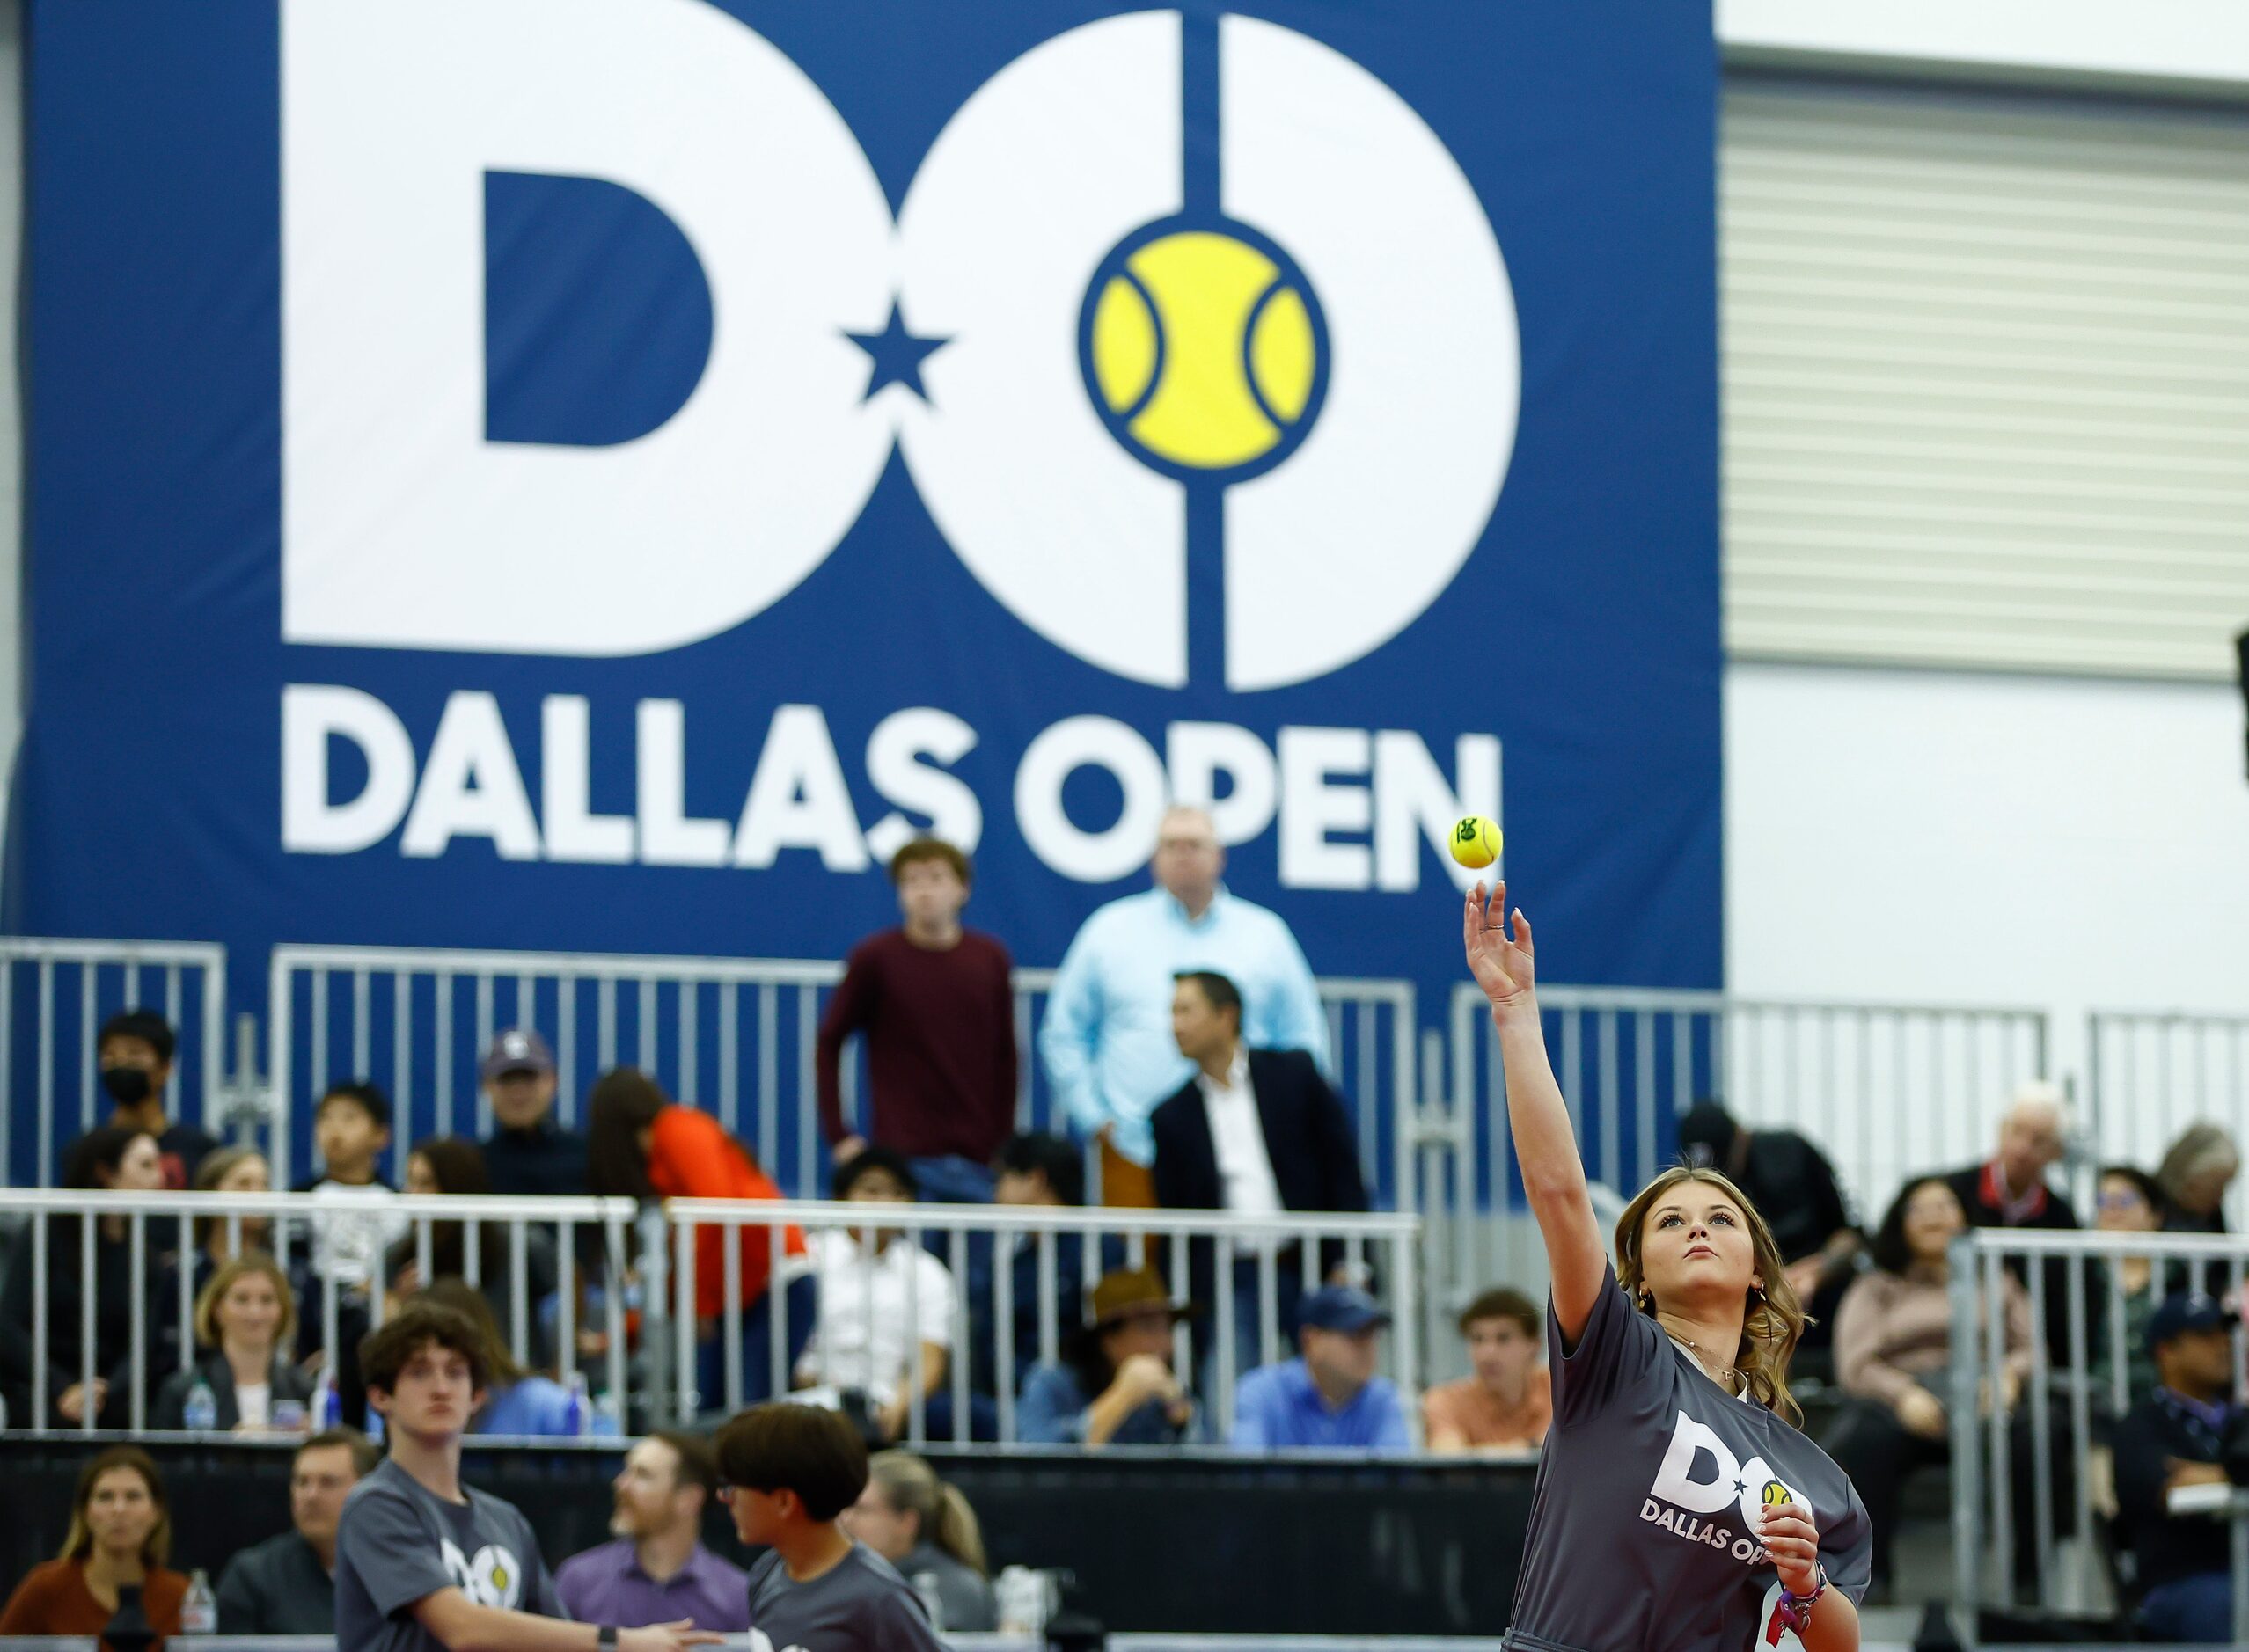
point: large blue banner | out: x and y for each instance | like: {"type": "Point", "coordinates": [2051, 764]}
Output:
{"type": "Point", "coordinates": [600, 475]}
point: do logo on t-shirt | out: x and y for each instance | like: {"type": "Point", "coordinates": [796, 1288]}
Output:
{"type": "Point", "coordinates": [1749, 1486]}
{"type": "Point", "coordinates": [491, 1579]}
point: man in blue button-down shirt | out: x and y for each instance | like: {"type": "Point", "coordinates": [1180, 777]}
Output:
{"type": "Point", "coordinates": [1329, 1398]}
{"type": "Point", "coordinates": [1107, 1039]}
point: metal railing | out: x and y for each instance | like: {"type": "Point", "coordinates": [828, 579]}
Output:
{"type": "Point", "coordinates": [967, 1643]}
{"type": "Point", "coordinates": [2149, 1074]}
{"type": "Point", "coordinates": [54, 996]}
{"type": "Point", "coordinates": [735, 1036]}
{"type": "Point", "coordinates": [537, 1262]}
{"type": "Point", "coordinates": [2032, 1485]}
{"type": "Point", "coordinates": [342, 1255]}
{"type": "Point", "coordinates": [738, 1037]}
{"type": "Point", "coordinates": [1249, 1256]}
{"type": "Point", "coordinates": [1883, 1090]}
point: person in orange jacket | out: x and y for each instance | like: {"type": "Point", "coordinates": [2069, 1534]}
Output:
{"type": "Point", "coordinates": [642, 1145]}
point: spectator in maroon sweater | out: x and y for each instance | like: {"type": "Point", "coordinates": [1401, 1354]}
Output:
{"type": "Point", "coordinates": [933, 1002]}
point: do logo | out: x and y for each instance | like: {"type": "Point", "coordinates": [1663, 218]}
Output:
{"type": "Point", "coordinates": [1172, 306]}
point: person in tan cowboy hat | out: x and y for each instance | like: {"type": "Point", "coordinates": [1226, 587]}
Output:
{"type": "Point", "coordinates": [1114, 1384]}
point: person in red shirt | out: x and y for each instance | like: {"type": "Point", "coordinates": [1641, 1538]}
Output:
{"type": "Point", "coordinates": [933, 1001]}
{"type": "Point", "coordinates": [642, 1145]}
{"type": "Point", "coordinates": [120, 1535]}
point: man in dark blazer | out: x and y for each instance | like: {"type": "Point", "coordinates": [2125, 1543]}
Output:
{"type": "Point", "coordinates": [1255, 1131]}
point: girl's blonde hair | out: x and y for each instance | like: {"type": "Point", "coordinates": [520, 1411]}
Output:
{"type": "Point", "coordinates": [79, 1543]}
{"type": "Point", "coordinates": [1775, 1320]}
{"type": "Point", "coordinates": [215, 1290]}
{"type": "Point", "coordinates": [910, 1486]}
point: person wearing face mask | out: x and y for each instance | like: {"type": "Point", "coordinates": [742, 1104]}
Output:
{"type": "Point", "coordinates": [133, 1053]}
{"type": "Point", "coordinates": [245, 1317]}
{"type": "Point", "coordinates": [116, 1158]}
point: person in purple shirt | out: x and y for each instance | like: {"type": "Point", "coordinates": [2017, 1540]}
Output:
{"type": "Point", "coordinates": [1329, 1398]}
{"type": "Point", "coordinates": [657, 1570]}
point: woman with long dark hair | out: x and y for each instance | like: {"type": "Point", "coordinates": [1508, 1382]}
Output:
{"type": "Point", "coordinates": [1676, 1506]}
{"type": "Point", "coordinates": [1895, 1358]}
{"type": "Point", "coordinates": [117, 1159]}
{"type": "Point", "coordinates": [449, 1165]}
{"type": "Point", "coordinates": [643, 1145]}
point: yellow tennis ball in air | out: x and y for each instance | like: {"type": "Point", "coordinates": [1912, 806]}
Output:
{"type": "Point", "coordinates": [1475, 843]}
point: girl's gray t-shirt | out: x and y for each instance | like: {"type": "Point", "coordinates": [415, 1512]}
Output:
{"type": "Point", "coordinates": [1642, 1525]}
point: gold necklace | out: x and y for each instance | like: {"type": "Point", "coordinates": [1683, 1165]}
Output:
{"type": "Point", "coordinates": [1703, 1359]}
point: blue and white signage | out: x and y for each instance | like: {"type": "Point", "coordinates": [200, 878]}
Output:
{"type": "Point", "coordinates": [600, 474]}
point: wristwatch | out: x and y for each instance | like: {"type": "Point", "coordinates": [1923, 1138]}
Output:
{"type": "Point", "coordinates": [1795, 1609]}
{"type": "Point", "coordinates": [605, 1637]}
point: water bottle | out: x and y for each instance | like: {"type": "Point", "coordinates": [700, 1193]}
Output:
{"type": "Point", "coordinates": [609, 1415]}
{"type": "Point", "coordinates": [925, 1584]}
{"type": "Point", "coordinates": [201, 1414]}
{"type": "Point", "coordinates": [199, 1610]}
{"type": "Point", "coordinates": [327, 1404]}
{"type": "Point", "coordinates": [577, 1415]}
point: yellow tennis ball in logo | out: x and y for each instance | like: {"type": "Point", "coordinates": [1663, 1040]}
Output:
{"type": "Point", "coordinates": [1475, 843]}
{"type": "Point", "coordinates": [1205, 348]}
{"type": "Point", "coordinates": [1776, 1494]}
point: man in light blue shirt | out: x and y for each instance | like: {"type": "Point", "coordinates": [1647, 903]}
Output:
{"type": "Point", "coordinates": [1107, 1038]}
{"type": "Point", "coordinates": [1330, 1399]}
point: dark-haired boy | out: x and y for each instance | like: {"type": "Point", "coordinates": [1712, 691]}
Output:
{"type": "Point", "coordinates": [351, 1127]}
{"type": "Point", "coordinates": [424, 1562]}
{"type": "Point", "coordinates": [934, 1003]}
{"type": "Point", "coordinates": [786, 1471]}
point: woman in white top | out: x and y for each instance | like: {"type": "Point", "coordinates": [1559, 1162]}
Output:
{"type": "Point", "coordinates": [885, 1325]}
{"type": "Point", "coordinates": [245, 1315]}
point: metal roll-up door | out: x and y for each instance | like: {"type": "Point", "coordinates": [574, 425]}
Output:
{"type": "Point", "coordinates": [1986, 373]}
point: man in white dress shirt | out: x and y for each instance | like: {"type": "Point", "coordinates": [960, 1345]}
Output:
{"type": "Point", "coordinates": [1255, 1132]}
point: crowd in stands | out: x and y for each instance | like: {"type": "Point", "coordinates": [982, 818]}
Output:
{"type": "Point", "coordinates": [1184, 1040]}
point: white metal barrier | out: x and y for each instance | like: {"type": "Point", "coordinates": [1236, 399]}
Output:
{"type": "Point", "coordinates": [1884, 1090]}
{"type": "Point", "coordinates": [341, 1254]}
{"type": "Point", "coordinates": [151, 1253]}
{"type": "Point", "coordinates": [2004, 1510]}
{"type": "Point", "coordinates": [735, 1036]}
{"type": "Point", "coordinates": [1245, 1253]}
{"type": "Point", "coordinates": [54, 996]}
{"type": "Point", "coordinates": [2149, 1074]}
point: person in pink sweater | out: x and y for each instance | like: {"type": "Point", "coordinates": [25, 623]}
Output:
{"type": "Point", "coordinates": [1893, 1358]}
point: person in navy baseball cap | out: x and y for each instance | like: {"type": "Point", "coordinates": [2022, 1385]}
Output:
{"type": "Point", "coordinates": [2183, 1312]}
{"type": "Point", "coordinates": [1343, 1308]}
{"type": "Point", "coordinates": [2182, 1434]}
{"type": "Point", "coordinates": [1329, 1398]}
{"type": "Point", "coordinates": [528, 1151]}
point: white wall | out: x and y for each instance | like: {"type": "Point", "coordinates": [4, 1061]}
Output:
{"type": "Point", "coordinates": [2201, 41]}
{"type": "Point", "coordinates": [1951, 838]}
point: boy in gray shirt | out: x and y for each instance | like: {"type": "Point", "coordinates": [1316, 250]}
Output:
{"type": "Point", "coordinates": [786, 1471]}
{"type": "Point", "coordinates": [424, 1564]}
